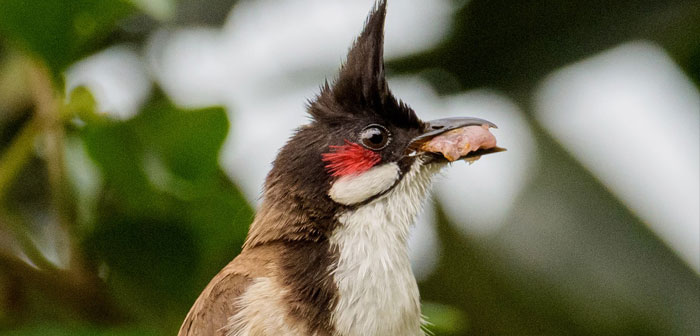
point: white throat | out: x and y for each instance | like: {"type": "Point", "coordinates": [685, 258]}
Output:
{"type": "Point", "coordinates": [353, 189]}
{"type": "Point", "coordinates": [377, 292]}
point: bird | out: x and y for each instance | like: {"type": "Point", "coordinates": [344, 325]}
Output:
{"type": "Point", "coordinates": [326, 253]}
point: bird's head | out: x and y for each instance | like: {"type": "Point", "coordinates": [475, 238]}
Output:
{"type": "Point", "coordinates": [360, 144]}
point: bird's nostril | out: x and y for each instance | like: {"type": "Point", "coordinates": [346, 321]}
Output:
{"type": "Point", "coordinates": [438, 127]}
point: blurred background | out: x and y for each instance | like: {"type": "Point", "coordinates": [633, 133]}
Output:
{"type": "Point", "coordinates": [133, 151]}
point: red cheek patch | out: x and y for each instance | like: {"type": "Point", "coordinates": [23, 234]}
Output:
{"type": "Point", "coordinates": [350, 158]}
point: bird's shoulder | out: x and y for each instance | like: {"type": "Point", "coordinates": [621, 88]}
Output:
{"type": "Point", "coordinates": [218, 302]}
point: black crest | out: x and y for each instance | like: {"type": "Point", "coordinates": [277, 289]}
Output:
{"type": "Point", "coordinates": [361, 86]}
{"type": "Point", "coordinates": [362, 77]}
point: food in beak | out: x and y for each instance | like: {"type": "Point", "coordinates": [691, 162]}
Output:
{"type": "Point", "coordinates": [458, 143]}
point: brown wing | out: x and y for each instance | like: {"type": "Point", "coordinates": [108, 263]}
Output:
{"type": "Point", "coordinates": [210, 313]}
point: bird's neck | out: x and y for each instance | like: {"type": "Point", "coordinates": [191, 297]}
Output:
{"type": "Point", "coordinates": [353, 265]}
{"type": "Point", "coordinates": [377, 292]}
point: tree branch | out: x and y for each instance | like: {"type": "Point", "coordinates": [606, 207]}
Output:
{"type": "Point", "coordinates": [15, 227]}
{"type": "Point", "coordinates": [17, 155]}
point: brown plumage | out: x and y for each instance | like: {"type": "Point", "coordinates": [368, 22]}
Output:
{"type": "Point", "coordinates": [288, 240]}
{"type": "Point", "coordinates": [285, 281]}
{"type": "Point", "coordinates": [213, 311]}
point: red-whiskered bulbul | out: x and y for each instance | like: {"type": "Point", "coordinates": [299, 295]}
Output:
{"type": "Point", "coordinates": [327, 252]}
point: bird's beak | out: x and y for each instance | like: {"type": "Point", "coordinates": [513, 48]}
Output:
{"type": "Point", "coordinates": [439, 140]}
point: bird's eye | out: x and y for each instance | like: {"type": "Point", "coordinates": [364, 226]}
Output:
{"type": "Point", "coordinates": [375, 137]}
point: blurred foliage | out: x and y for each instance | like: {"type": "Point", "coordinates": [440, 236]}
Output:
{"type": "Point", "coordinates": [165, 217]}
{"type": "Point", "coordinates": [511, 45]}
{"type": "Point", "coordinates": [143, 215]}
{"type": "Point", "coordinates": [57, 31]}
{"type": "Point", "coordinates": [167, 211]}
{"type": "Point", "coordinates": [148, 212]}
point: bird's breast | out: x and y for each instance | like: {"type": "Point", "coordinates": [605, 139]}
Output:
{"type": "Point", "coordinates": [377, 292]}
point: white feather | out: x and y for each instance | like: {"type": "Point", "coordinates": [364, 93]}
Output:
{"type": "Point", "coordinates": [263, 312]}
{"type": "Point", "coordinates": [353, 189]}
{"type": "Point", "coordinates": [378, 294]}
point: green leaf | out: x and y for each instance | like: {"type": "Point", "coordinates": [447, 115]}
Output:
{"type": "Point", "coordinates": [159, 9]}
{"type": "Point", "coordinates": [444, 319]}
{"type": "Point", "coordinates": [187, 142]}
{"type": "Point", "coordinates": [59, 31]}
{"type": "Point", "coordinates": [81, 103]}
{"type": "Point", "coordinates": [168, 218]}
{"type": "Point", "coordinates": [149, 252]}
